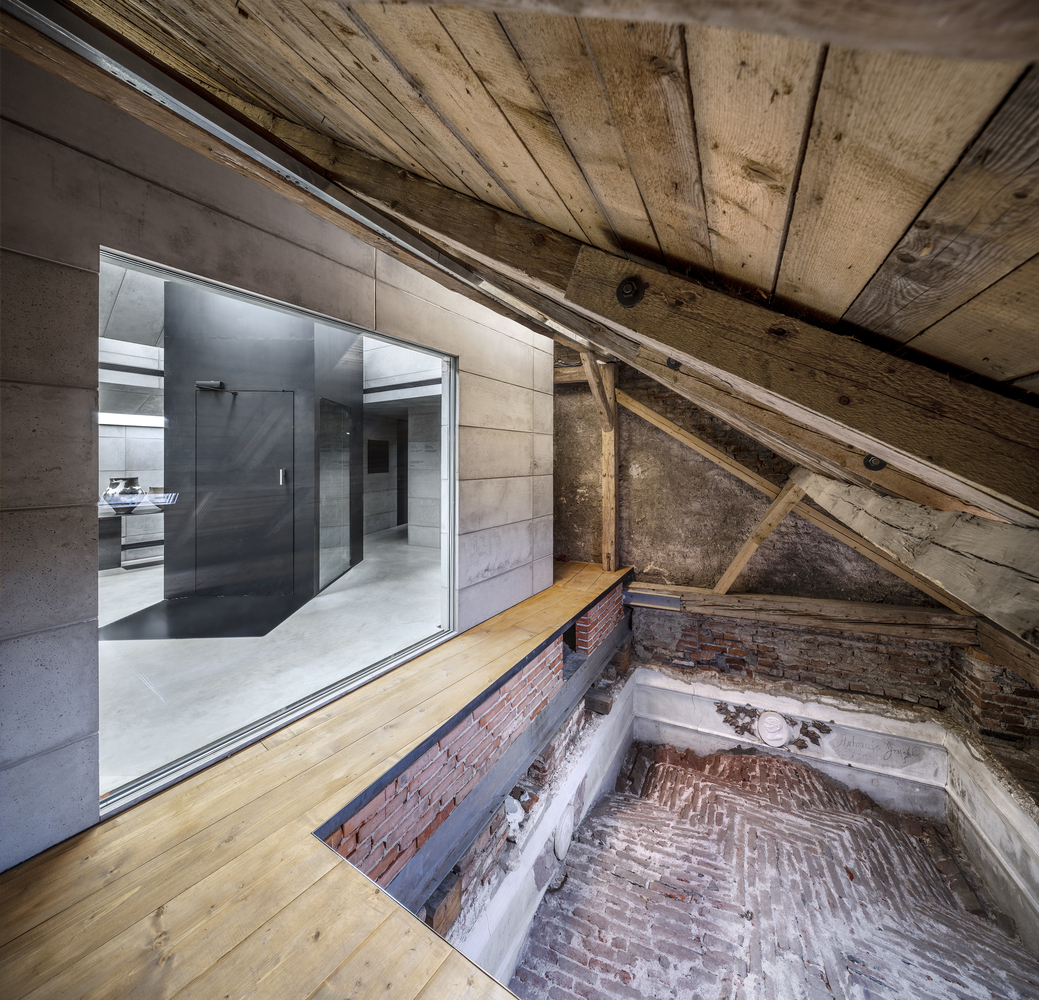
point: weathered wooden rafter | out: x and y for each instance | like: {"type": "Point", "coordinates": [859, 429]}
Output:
{"type": "Point", "coordinates": [793, 441]}
{"type": "Point", "coordinates": [609, 463]}
{"type": "Point", "coordinates": [814, 516]}
{"type": "Point", "coordinates": [788, 498]}
{"type": "Point", "coordinates": [959, 438]}
{"type": "Point", "coordinates": [603, 404]}
{"type": "Point", "coordinates": [993, 568]}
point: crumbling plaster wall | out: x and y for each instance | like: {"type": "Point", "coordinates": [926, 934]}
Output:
{"type": "Point", "coordinates": [683, 518]}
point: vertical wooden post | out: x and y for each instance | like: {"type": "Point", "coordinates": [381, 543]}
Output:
{"type": "Point", "coordinates": [610, 546]}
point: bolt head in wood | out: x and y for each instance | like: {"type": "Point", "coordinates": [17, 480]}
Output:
{"type": "Point", "coordinates": [630, 291]}
{"type": "Point", "coordinates": [873, 463]}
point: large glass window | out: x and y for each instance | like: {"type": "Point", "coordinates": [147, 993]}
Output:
{"type": "Point", "coordinates": [275, 517]}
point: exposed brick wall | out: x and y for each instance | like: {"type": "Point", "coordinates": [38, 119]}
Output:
{"type": "Point", "coordinates": [600, 621]}
{"type": "Point", "coordinates": [382, 836]}
{"type": "Point", "coordinates": [545, 765]}
{"type": "Point", "coordinates": [479, 864]}
{"type": "Point", "coordinates": [907, 670]}
{"type": "Point", "coordinates": [991, 697]}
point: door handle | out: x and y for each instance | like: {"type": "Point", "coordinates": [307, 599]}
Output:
{"type": "Point", "coordinates": [283, 474]}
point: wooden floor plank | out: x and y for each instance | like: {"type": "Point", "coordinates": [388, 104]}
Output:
{"type": "Point", "coordinates": [304, 940]}
{"type": "Point", "coordinates": [164, 951]}
{"type": "Point", "coordinates": [138, 898]}
{"type": "Point", "coordinates": [402, 956]}
{"type": "Point", "coordinates": [460, 979]}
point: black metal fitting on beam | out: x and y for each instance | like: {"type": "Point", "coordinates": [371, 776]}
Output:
{"type": "Point", "coordinates": [630, 291]}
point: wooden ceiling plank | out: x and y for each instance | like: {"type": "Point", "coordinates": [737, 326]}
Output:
{"type": "Point", "coordinates": [961, 439]}
{"type": "Point", "coordinates": [926, 624]}
{"type": "Point", "coordinates": [642, 68]}
{"type": "Point", "coordinates": [557, 59]}
{"type": "Point", "coordinates": [306, 58]}
{"type": "Point", "coordinates": [335, 31]}
{"type": "Point", "coordinates": [980, 225]}
{"type": "Point", "coordinates": [241, 47]}
{"type": "Point", "coordinates": [294, 21]}
{"type": "Point", "coordinates": [486, 47]}
{"type": "Point", "coordinates": [753, 97]}
{"type": "Point", "coordinates": [152, 30]}
{"type": "Point", "coordinates": [993, 568]}
{"type": "Point", "coordinates": [415, 38]}
{"type": "Point", "coordinates": [788, 498]}
{"type": "Point", "coordinates": [996, 333]}
{"type": "Point", "coordinates": [382, 72]}
{"type": "Point", "coordinates": [968, 29]}
{"type": "Point", "coordinates": [886, 130]}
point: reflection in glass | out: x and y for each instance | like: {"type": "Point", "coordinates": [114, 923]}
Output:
{"type": "Point", "coordinates": [257, 555]}
{"type": "Point", "coordinates": [334, 490]}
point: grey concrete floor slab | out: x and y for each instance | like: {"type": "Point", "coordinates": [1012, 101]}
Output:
{"type": "Point", "coordinates": [162, 699]}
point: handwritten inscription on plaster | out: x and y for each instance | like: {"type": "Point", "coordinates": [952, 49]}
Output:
{"type": "Point", "coordinates": [875, 750]}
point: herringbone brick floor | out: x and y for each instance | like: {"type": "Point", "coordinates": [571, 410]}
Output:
{"type": "Point", "coordinates": [743, 876]}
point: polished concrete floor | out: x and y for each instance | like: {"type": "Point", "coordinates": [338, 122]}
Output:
{"type": "Point", "coordinates": [162, 699]}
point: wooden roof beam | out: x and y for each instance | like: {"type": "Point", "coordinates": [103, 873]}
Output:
{"type": "Point", "coordinates": [956, 437]}
{"type": "Point", "coordinates": [992, 568]}
{"type": "Point", "coordinates": [816, 517]}
{"type": "Point", "coordinates": [779, 508]}
{"type": "Point", "coordinates": [808, 612]}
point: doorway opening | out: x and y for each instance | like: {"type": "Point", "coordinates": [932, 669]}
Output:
{"type": "Point", "coordinates": [255, 559]}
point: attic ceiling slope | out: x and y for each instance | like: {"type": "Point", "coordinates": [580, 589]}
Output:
{"type": "Point", "coordinates": [801, 169]}
{"type": "Point", "coordinates": [252, 56]}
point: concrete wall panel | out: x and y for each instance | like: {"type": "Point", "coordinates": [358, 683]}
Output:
{"type": "Point", "coordinates": [485, 402]}
{"type": "Point", "coordinates": [48, 691]}
{"type": "Point", "coordinates": [490, 597]}
{"type": "Point", "coordinates": [49, 568]}
{"type": "Point", "coordinates": [51, 196]}
{"type": "Point", "coordinates": [485, 503]}
{"type": "Point", "coordinates": [480, 350]}
{"type": "Point", "coordinates": [104, 133]}
{"type": "Point", "coordinates": [404, 278]}
{"type": "Point", "coordinates": [493, 551]}
{"type": "Point", "coordinates": [78, 175]}
{"type": "Point", "coordinates": [48, 446]}
{"type": "Point", "coordinates": [492, 454]}
{"type": "Point", "coordinates": [543, 412]}
{"type": "Point", "coordinates": [542, 496]}
{"type": "Point", "coordinates": [42, 306]}
{"type": "Point", "coordinates": [29, 821]}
